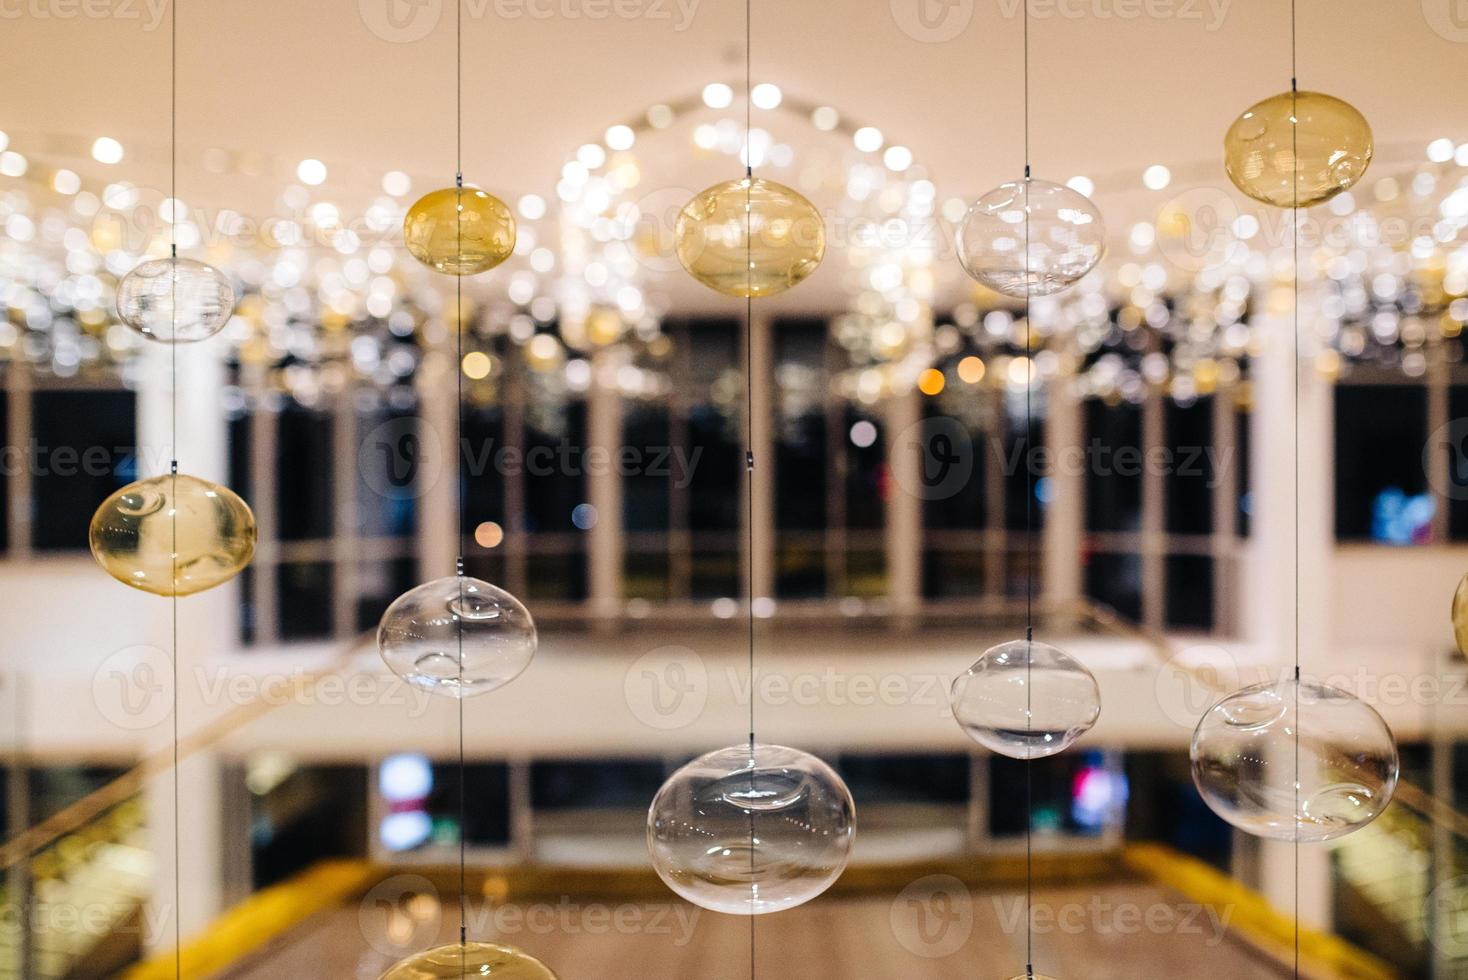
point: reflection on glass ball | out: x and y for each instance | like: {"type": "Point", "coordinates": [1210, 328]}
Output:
{"type": "Point", "coordinates": [175, 301]}
{"type": "Point", "coordinates": [457, 636]}
{"type": "Point", "coordinates": [1026, 700]}
{"type": "Point", "coordinates": [132, 534]}
{"type": "Point", "coordinates": [460, 230]}
{"type": "Point", "coordinates": [459, 960]}
{"type": "Point", "coordinates": [1064, 231]}
{"type": "Point", "coordinates": [1334, 149]}
{"type": "Point", "coordinates": [750, 831]}
{"type": "Point", "coordinates": [1460, 616]}
{"type": "Point", "coordinates": [1244, 759]}
{"type": "Point", "coordinates": [750, 237]}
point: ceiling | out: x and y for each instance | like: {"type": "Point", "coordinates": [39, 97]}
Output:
{"type": "Point", "coordinates": [1116, 85]}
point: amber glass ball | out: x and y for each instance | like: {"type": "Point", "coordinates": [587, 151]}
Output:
{"type": "Point", "coordinates": [460, 231]}
{"type": "Point", "coordinates": [1297, 149]}
{"type": "Point", "coordinates": [750, 237]}
{"type": "Point", "coordinates": [137, 532]}
{"type": "Point", "coordinates": [460, 960]}
{"type": "Point", "coordinates": [1460, 615]}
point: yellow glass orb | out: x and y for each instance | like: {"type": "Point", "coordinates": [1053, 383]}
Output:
{"type": "Point", "coordinates": [1331, 138]}
{"type": "Point", "coordinates": [1460, 615]}
{"type": "Point", "coordinates": [133, 533]}
{"type": "Point", "coordinates": [459, 960]}
{"type": "Point", "coordinates": [749, 237]}
{"type": "Point", "coordinates": [460, 231]}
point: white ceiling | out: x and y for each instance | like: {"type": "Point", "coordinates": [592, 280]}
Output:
{"type": "Point", "coordinates": [1116, 85]}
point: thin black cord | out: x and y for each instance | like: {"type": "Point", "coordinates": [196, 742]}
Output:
{"type": "Point", "coordinates": [1295, 385]}
{"type": "Point", "coordinates": [1029, 538]}
{"type": "Point", "coordinates": [749, 413]}
{"type": "Point", "coordinates": [173, 467]}
{"type": "Point", "coordinates": [458, 456]}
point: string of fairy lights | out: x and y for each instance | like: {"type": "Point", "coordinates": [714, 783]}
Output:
{"type": "Point", "coordinates": [754, 829]}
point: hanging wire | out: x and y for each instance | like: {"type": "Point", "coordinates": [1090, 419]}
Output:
{"type": "Point", "coordinates": [458, 458]}
{"type": "Point", "coordinates": [173, 464]}
{"type": "Point", "coordinates": [1295, 387]}
{"type": "Point", "coordinates": [749, 422]}
{"type": "Point", "coordinates": [1029, 538]}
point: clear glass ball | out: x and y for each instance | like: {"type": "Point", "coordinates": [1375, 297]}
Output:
{"type": "Point", "coordinates": [457, 636]}
{"type": "Point", "coordinates": [1026, 700]}
{"type": "Point", "coordinates": [1031, 238]}
{"type": "Point", "coordinates": [751, 830]}
{"type": "Point", "coordinates": [460, 231]}
{"type": "Point", "coordinates": [1262, 158]}
{"type": "Point", "coordinates": [1460, 615]}
{"type": "Point", "coordinates": [133, 535]}
{"type": "Point", "coordinates": [461, 960]}
{"type": "Point", "coordinates": [749, 237]}
{"type": "Point", "coordinates": [1244, 759]}
{"type": "Point", "coordinates": [175, 301]}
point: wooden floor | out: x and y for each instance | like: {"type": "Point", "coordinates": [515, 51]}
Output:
{"type": "Point", "coordinates": [932, 931]}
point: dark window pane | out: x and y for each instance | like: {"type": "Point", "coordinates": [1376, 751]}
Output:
{"type": "Point", "coordinates": [487, 815]}
{"type": "Point", "coordinates": [907, 778]}
{"type": "Point", "coordinates": [1380, 431]}
{"type": "Point", "coordinates": [646, 469]}
{"type": "Point", "coordinates": [715, 572]}
{"type": "Point", "coordinates": [953, 574]}
{"type": "Point", "coordinates": [800, 570]}
{"type": "Point", "coordinates": [1242, 459]}
{"type": "Point", "coordinates": [303, 486]}
{"type": "Point", "coordinates": [305, 600]}
{"type": "Point", "coordinates": [555, 479]}
{"type": "Point", "coordinates": [714, 455]}
{"type": "Point", "coordinates": [82, 453]}
{"type": "Point", "coordinates": [483, 464]}
{"type": "Point", "coordinates": [595, 783]}
{"type": "Point", "coordinates": [1189, 592]}
{"type": "Point", "coordinates": [866, 470]}
{"type": "Point", "coordinates": [1023, 456]}
{"type": "Point", "coordinates": [1457, 466]}
{"type": "Point", "coordinates": [1116, 581]}
{"type": "Point", "coordinates": [647, 575]}
{"type": "Point", "coordinates": [800, 425]}
{"type": "Point", "coordinates": [560, 577]}
{"type": "Point", "coordinates": [379, 583]}
{"type": "Point", "coordinates": [1058, 805]}
{"type": "Point", "coordinates": [1113, 466]}
{"type": "Point", "coordinates": [1190, 476]}
{"type": "Point", "coordinates": [315, 814]}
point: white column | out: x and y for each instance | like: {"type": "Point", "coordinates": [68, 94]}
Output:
{"type": "Point", "coordinates": [904, 530]}
{"type": "Point", "coordinates": [1065, 515]}
{"type": "Point", "coordinates": [198, 871]}
{"type": "Point", "coordinates": [762, 443]}
{"type": "Point", "coordinates": [605, 541]}
{"type": "Point", "coordinates": [438, 530]}
{"type": "Point", "coordinates": [1284, 486]}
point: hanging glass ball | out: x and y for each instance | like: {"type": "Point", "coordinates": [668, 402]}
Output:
{"type": "Point", "coordinates": [1334, 149]}
{"type": "Point", "coordinates": [749, 237]}
{"type": "Point", "coordinates": [1031, 238]}
{"type": "Point", "coordinates": [1244, 759]}
{"type": "Point", "coordinates": [751, 830]}
{"type": "Point", "coordinates": [1460, 616]}
{"type": "Point", "coordinates": [175, 301]}
{"type": "Point", "coordinates": [457, 636]}
{"type": "Point", "coordinates": [1026, 700]}
{"type": "Point", "coordinates": [460, 960]}
{"type": "Point", "coordinates": [133, 535]}
{"type": "Point", "coordinates": [460, 231]}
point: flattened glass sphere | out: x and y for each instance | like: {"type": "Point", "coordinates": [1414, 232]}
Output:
{"type": "Point", "coordinates": [175, 301]}
{"type": "Point", "coordinates": [457, 636]}
{"type": "Point", "coordinates": [1244, 761]}
{"type": "Point", "coordinates": [461, 960]}
{"type": "Point", "coordinates": [132, 534]}
{"type": "Point", "coordinates": [460, 231]}
{"type": "Point", "coordinates": [750, 831]}
{"type": "Point", "coordinates": [1334, 149]}
{"type": "Point", "coordinates": [1031, 238]}
{"type": "Point", "coordinates": [750, 237]}
{"type": "Point", "coordinates": [1460, 616]}
{"type": "Point", "coordinates": [1026, 700]}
